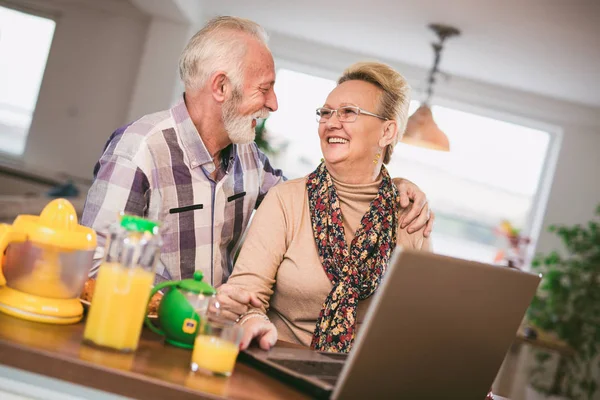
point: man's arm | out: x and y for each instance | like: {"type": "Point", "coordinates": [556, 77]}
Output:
{"type": "Point", "coordinates": [265, 246]}
{"type": "Point", "coordinates": [419, 215]}
{"type": "Point", "coordinates": [120, 185]}
{"type": "Point", "coordinates": [256, 269]}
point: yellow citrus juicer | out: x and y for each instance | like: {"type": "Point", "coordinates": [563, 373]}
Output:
{"type": "Point", "coordinates": [44, 263]}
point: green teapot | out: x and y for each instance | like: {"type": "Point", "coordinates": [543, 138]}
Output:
{"type": "Point", "coordinates": [181, 308]}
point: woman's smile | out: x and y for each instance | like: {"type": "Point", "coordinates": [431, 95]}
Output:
{"type": "Point", "coordinates": [337, 140]}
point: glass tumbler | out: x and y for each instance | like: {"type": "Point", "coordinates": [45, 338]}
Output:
{"type": "Point", "coordinates": [216, 347]}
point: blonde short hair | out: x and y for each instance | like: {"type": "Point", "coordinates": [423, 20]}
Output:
{"type": "Point", "coordinates": [395, 96]}
{"type": "Point", "coordinates": [220, 45]}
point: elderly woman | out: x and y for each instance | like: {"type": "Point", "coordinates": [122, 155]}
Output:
{"type": "Point", "coordinates": [319, 246]}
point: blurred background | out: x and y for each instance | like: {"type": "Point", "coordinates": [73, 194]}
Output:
{"type": "Point", "coordinates": [516, 94]}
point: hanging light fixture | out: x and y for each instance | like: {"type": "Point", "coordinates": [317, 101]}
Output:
{"type": "Point", "coordinates": [421, 129]}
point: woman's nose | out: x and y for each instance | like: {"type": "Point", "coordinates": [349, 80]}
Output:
{"type": "Point", "coordinates": [333, 121]}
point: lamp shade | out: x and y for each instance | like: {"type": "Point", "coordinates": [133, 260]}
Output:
{"type": "Point", "coordinates": [422, 131]}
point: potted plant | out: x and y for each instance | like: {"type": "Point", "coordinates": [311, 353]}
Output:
{"type": "Point", "coordinates": [568, 305]}
{"type": "Point", "coordinates": [261, 137]}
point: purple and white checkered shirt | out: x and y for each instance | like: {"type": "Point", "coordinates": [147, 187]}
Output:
{"type": "Point", "coordinates": [159, 168]}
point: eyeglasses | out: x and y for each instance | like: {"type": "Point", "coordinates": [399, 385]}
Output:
{"type": "Point", "coordinates": [344, 114]}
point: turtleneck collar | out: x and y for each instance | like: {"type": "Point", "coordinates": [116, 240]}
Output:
{"type": "Point", "coordinates": [357, 191]}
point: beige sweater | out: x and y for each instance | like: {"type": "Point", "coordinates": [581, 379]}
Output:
{"type": "Point", "coordinates": [279, 259]}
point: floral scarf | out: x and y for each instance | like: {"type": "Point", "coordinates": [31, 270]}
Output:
{"type": "Point", "coordinates": [356, 272]}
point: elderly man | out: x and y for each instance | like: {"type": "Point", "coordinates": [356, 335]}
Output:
{"type": "Point", "coordinates": [195, 168]}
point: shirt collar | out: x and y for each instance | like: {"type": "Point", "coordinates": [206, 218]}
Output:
{"type": "Point", "coordinates": [189, 136]}
{"type": "Point", "coordinates": [228, 155]}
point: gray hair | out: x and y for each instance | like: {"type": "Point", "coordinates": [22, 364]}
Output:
{"type": "Point", "coordinates": [218, 46]}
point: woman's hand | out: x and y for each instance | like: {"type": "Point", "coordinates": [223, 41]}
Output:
{"type": "Point", "coordinates": [259, 329]}
{"type": "Point", "coordinates": [419, 214]}
{"type": "Point", "coordinates": [235, 301]}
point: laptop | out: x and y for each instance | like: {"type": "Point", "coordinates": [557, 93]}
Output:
{"type": "Point", "coordinates": [437, 328]}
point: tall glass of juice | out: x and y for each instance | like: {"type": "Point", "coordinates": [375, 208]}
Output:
{"type": "Point", "coordinates": [123, 285]}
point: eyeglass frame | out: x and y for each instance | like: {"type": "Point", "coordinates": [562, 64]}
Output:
{"type": "Point", "coordinates": [335, 111]}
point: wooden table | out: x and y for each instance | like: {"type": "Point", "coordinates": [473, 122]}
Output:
{"type": "Point", "coordinates": [154, 371]}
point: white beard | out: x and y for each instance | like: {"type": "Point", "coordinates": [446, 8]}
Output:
{"type": "Point", "coordinates": [239, 127]}
{"type": "Point", "coordinates": [240, 130]}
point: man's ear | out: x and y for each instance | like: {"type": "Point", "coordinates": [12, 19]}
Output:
{"type": "Point", "coordinates": [390, 131]}
{"type": "Point", "coordinates": [220, 86]}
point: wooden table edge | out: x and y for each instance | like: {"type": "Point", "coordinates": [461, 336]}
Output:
{"type": "Point", "coordinates": [107, 379]}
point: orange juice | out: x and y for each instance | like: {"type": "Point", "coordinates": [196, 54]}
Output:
{"type": "Point", "coordinates": [45, 281]}
{"type": "Point", "coordinates": [118, 306]}
{"type": "Point", "coordinates": [214, 354]}
{"type": "Point", "coordinates": [45, 278]}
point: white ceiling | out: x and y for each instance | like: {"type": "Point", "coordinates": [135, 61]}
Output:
{"type": "Point", "coordinates": [548, 47]}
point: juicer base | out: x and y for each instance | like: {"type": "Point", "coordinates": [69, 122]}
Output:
{"type": "Point", "coordinates": [39, 309]}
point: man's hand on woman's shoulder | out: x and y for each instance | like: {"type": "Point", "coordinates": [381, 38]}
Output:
{"type": "Point", "coordinates": [415, 200]}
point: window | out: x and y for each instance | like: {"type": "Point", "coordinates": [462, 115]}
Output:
{"type": "Point", "coordinates": [24, 46]}
{"type": "Point", "coordinates": [491, 174]}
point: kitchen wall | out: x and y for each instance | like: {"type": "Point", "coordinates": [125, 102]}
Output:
{"type": "Point", "coordinates": [576, 188]}
{"type": "Point", "coordinates": [157, 83]}
{"type": "Point", "coordinates": [88, 81]}
{"type": "Point", "coordinates": [109, 64]}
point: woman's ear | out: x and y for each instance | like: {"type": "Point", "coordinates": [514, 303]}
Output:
{"type": "Point", "coordinates": [219, 85]}
{"type": "Point", "coordinates": [390, 131]}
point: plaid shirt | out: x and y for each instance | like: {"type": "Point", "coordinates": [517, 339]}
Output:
{"type": "Point", "coordinates": [159, 168]}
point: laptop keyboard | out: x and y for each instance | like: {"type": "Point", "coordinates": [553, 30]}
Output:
{"type": "Point", "coordinates": [326, 371]}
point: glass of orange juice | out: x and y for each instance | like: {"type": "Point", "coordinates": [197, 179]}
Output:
{"type": "Point", "coordinates": [216, 347]}
{"type": "Point", "coordinates": [123, 285]}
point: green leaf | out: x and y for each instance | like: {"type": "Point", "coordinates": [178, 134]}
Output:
{"type": "Point", "coordinates": [552, 259]}
{"type": "Point", "coordinates": [260, 137]}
